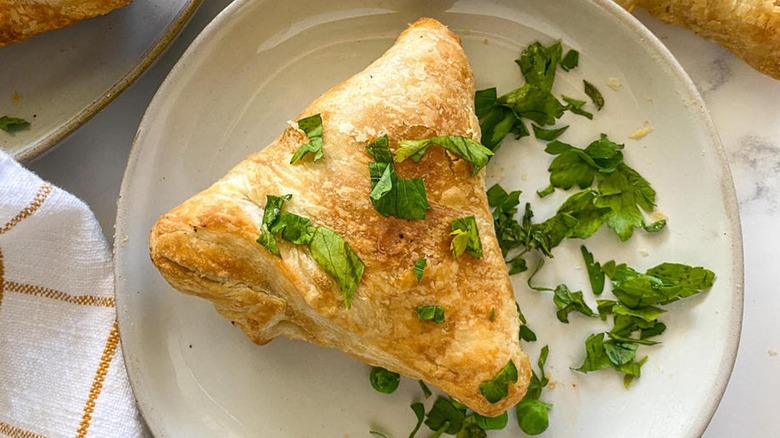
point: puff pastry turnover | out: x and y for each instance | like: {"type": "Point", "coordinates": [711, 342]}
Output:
{"type": "Point", "coordinates": [21, 19]}
{"type": "Point", "coordinates": [749, 28]}
{"type": "Point", "coordinates": [421, 87]}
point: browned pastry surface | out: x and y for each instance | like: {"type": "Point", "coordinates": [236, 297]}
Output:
{"type": "Point", "coordinates": [21, 19]}
{"type": "Point", "coordinates": [421, 87]}
{"type": "Point", "coordinates": [749, 28]}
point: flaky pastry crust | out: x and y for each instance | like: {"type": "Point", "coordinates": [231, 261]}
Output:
{"type": "Point", "coordinates": [21, 19]}
{"type": "Point", "coordinates": [749, 28]}
{"type": "Point", "coordinates": [421, 87]}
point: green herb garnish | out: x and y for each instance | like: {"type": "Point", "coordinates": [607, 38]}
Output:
{"type": "Point", "coordinates": [464, 147]}
{"type": "Point", "coordinates": [331, 252]}
{"type": "Point", "coordinates": [595, 274]}
{"type": "Point", "coordinates": [465, 237]}
{"type": "Point", "coordinates": [425, 390]}
{"type": "Point", "coordinates": [567, 302]}
{"type": "Point", "coordinates": [419, 268]}
{"type": "Point", "coordinates": [594, 94]}
{"type": "Point", "coordinates": [271, 212]}
{"type": "Point", "coordinates": [492, 423]}
{"type": "Point", "coordinates": [575, 106]}
{"type": "Point", "coordinates": [391, 195]}
{"type": "Point", "coordinates": [549, 134]}
{"type": "Point", "coordinates": [336, 257]}
{"type": "Point", "coordinates": [419, 412]}
{"type": "Point", "coordinates": [431, 313]}
{"type": "Point", "coordinates": [312, 126]}
{"type": "Point", "coordinates": [383, 380]}
{"type": "Point", "coordinates": [498, 387]}
{"type": "Point", "coordinates": [538, 64]}
{"type": "Point", "coordinates": [13, 124]}
{"type": "Point", "coordinates": [570, 60]}
{"type": "Point", "coordinates": [532, 413]}
{"type": "Point", "coordinates": [444, 415]}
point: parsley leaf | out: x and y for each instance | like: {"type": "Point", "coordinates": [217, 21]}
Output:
{"type": "Point", "coordinates": [426, 391]}
{"type": "Point", "coordinates": [594, 94]}
{"type": "Point", "coordinates": [444, 415]}
{"type": "Point", "coordinates": [294, 229]}
{"type": "Point", "coordinates": [532, 414]}
{"type": "Point", "coordinates": [419, 268]}
{"type": "Point", "coordinates": [575, 106]}
{"type": "Point", "coordinates": [534, 103]}
{"type": "Point", "coordinates": [465, 237]}
{"type": "Point", "coordinates": [336, 257]}
{"type": "Point", "coordinates": [431, 313]}
{"type": "Point", "coordinates": [538, 64]}
{"type": "Point", "coordinates": [492, 423]}
{"type": "Point", "coordinates": [384, 381]}
{"type": "Point", "coordinates": [595, 274]}
{"type": "Point", "coordinates": [571, 60]}
{"type": "Point", "coordinates": [568, 301]}
{"type": "Point", "coordinates": [312, 126]}
{"type": "Point", "coordinates": [549, 134]}
{"type": "Point", "coordinates": [271, 212]}
{"type": "Point", "coordinates": [602, 354]}
{"type": "Point", "coordinates": [582, 207]}
{"type": "Point", "coordinates": [663, 284]}
{"type": "Point", "coordinates": [464, 147]}
{"type": "Point", "coordinates": [391, 195]}
{"type": "Point", "coordinates": [498, 387]}
{"type": "Point", "coordinates": [495, 119]}
{"type": "Point", "coordinates": [13, 124]}
{"type": "Point", "coordinates": [419, 412]}
{"type": "Point", "coordinates": [625, 191]}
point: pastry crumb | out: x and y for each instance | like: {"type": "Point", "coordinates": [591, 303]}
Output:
{"type": "Point", "coordinates": [614, 83]}
{"type": "Point", "coordinates": [643, 252]}
{"type": "Point", "coordinates": [15, 97]}
{"type": "Point", "coordinates": [772, 352]}
{"type": "Point", "coordinates": [485, 41]}
{"type": "Point", "coordinates": [641, 132]}
{"type": "Point", "coordinates": [125, 239]}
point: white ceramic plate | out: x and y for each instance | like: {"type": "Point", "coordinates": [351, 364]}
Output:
{"type": "Point", "coordinates": [260, 62]}
{"type": "Point", "coordinates": [60, 79]}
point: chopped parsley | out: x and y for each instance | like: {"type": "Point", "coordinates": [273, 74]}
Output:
{"type": "Point", "coordinates": [384, 381]}
{"type": "Point", "coordinates": [331, 252]}
{"type": "Point", "coordinates": [13, 124]}
{"type": "Point", "coordinates": [568, 302]}
{"type": "Point", "coordinates": [549, 134]}
{"type": "Point", "coordinates": [312, 126]}
{"type": "Point", "coordinates": [431, 313]}
{"type": "Point", "coordinates": [570, 60]}
{"type": "Point", "coordinates": [532, 413]}
{"type": "Point", "coordinates": [595, 273]}
{"type": "Point", "coordinates": [465, 237]}
{"type": "Point", "coordinates": [498, 387]}
{"type": "Point", "coordinates": [594, 94]}
{"type": "Point", "coordinates": [636, 311]}
{"type": "Point", "coordinates": [419, 268]}
{"type": "Point", "coordinates": [391, 195]}
{"type": "Point", "coordinates": [419, 412]}
{"type": "Point", "coordinates": [464, 147]}
{"type": "Point", "coordinates": [445, 416]}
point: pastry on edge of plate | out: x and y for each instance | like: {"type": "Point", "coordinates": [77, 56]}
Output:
{"type": "Point", "coordinates": [422, 87]}
{"type": "Point", "coordinates": [20, 20]}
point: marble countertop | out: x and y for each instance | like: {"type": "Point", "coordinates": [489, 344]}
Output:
{"type": "Point", "coordinates": [743, 104]}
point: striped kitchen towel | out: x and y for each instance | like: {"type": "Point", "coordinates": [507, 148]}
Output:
{"type": "Point", "coordinates": [61, 367]}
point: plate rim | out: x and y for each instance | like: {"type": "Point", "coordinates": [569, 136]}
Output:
{"type": "Point", "coordinates": [664, 56]}
{"type": "Point", "coordinates": [48, 141]}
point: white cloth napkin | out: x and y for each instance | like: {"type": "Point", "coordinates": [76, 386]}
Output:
{"type": "Point", "coordinates": [61, 367]}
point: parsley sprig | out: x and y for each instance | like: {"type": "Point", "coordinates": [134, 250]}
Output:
{"type": "Point", "coordinates": [331, 252]}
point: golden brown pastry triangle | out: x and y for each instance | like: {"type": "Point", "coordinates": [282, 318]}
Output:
{"type": "Point", "coordinates": [20, 20]}
{"type": "Point", "coordinates": [422, 87]}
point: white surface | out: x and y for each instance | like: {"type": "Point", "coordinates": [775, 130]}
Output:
{"type": "Point", "coordinates": [233, 94]}
{"type": "Point", "coordinates": [58, 80]}
{"type": "Point", "coordinates": [743, 106]}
